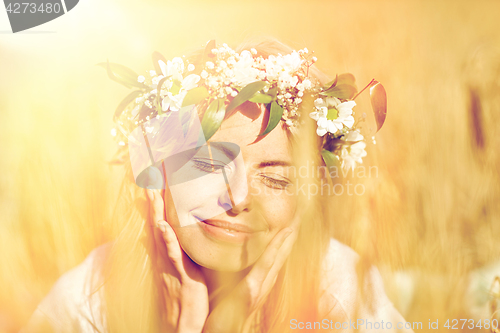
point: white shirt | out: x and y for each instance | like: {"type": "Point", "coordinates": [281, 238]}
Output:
{"type": "Point", "coordinates": [70, 305]}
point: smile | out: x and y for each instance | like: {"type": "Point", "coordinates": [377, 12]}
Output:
{"type": "Point", "coordinates": [224, 231]}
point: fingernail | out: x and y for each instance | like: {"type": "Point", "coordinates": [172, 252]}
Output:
{"type": "Point", "coordinates": [288, 232]}
{"type": "Point", "coordinates": [162, 225]}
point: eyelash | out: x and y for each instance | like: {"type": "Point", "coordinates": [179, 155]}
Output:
{"type": "Point", "coordinates": [268, 181]}
{"type": "Point", "coordinates": [207, 167]}
{"type": "Point", "coordinates": [275, 183]}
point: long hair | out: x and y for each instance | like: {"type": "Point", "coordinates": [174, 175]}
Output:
{"type": "Point", "coordinates": [131, 303]}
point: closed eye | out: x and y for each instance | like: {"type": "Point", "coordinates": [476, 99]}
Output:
{"type": "Point", "coordinates": [207, 166]}
{"type": "Point", "coordinates": [274, 182]}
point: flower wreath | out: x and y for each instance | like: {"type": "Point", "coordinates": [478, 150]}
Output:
{"type": "Point", "coordinates": [223, 79]}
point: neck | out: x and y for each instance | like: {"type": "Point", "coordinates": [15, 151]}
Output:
{"type": "Point", "coordinates": [220, 284]}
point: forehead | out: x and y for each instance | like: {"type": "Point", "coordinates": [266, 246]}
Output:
{"type": "Point", "coordinates": [243, 128]}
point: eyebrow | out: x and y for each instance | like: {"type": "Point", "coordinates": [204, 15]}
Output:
{"type": "Point", "coordinates": [222, 147]}
{"type": "Point", "coordinates": [274, 163]}
{"type": "Point", "coordinates": [230, 153]}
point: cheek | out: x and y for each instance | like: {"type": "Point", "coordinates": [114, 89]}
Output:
{"type": "Point", "coordinates": [199, 197]}
{"type": "Point", "coordinates": [278, 209]}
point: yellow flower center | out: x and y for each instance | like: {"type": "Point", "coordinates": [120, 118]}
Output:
{"type": "Point", "coordinates": [332, 114]}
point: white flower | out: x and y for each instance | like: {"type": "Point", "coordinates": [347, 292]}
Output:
{"type": "Point", "coordinates": [331, 115]}
{"type": "Point", "coordinates": [174, 102]}
{"type": "Point", "coordinates": [190, 67]}
{"type": "Point", "coordinates": [190, 82]}
{"type": "Point", "coordinates": [113, 132]}
{"type": "Point", "coordinates": [345, 113]}
{"type": "Point", "coordinates": [307, 84]}
{"type": "Point", "coordinates": [354, 153]}
{"type": "Point", "coordinates": [140, 100]}
{"type": "Point", "coordinates": [204, 74]}
{"type": "Point", "coordinates": [173, 68]}
{"type": "Point", "coordinates": [141, 79]}
{"type": "Point", "coordinates": [292, 62]}
{"type": "Point", "coordinates": [244, 72]}
{"type": "Point", "coordinates": [210, 65]}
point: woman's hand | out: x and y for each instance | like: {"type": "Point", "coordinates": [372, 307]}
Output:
{"type": "Point", "coordinates": [185, 290]}
{"type": "Point", "coordinates": [183, 286]}
{"type": "Point", "coordinates": [235, 313]}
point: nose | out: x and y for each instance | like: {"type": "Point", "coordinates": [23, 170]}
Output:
{"type": "Point", "coordinates": [245, 205]}
{"type": "Point", "coordinates": [237, 198]}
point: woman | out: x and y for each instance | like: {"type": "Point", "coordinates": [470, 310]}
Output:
{"type": "Point", "coordinates": [220, 234]}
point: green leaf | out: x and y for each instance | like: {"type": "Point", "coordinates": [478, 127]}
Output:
{"type": "Point", "coordinates": [378, 98]}
{"type": "Point", "coordinates": [126, 101]}
{"type": "Point", "coordinates": [156, 57]}
{"type": "Point", "coordinates": [122, 75]}
{"type": "Point", "coordinates": [262, 98]}
{"type": "Point", "coordinates": [213, 118]}
{"type": "Point", "coordinates": [333, 83]}
{"type": "Point", "coordinates": [195, 96]}
{"type": "Point", "coordinates": [245, 94]}
{"type": "Point", "coordinates": [265, 98]}
{"type": "Point", "coordinates": [275, 114]}
{"type": "Point", "coordinates": [273, 92]}
{"type": "Point", "coordinates": [330, 159]}
{"type": "Point", "coordinates": [347, 78]}
{"type": "Point", "coordinates": [111, 75]}
{"type": "Point", "coordinates": [342, 91]}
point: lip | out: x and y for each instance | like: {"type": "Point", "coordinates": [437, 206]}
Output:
{"type": "Point", "coordinates": [227, 232]}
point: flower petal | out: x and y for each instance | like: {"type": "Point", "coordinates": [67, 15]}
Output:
{"type": "Point", "coordinates": [190, 81]}
{"type": "Point", "coordinates": [349, 121]}
{"type": "Point", "coordinates": [314, 115]}
{"type": "Point", "coordinates": [320, 131]}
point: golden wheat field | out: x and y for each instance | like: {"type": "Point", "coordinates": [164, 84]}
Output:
{"type": "Point", "coordinates": [429, 219]}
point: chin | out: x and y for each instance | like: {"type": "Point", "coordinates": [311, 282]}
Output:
{"type": "Point", "coordinates": [215, 256]}
{"type": "Point", "coordinates": [219, 265]}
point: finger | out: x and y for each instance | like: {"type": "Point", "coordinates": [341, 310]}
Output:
{"type": "Point", "coordinates": [266, 269]}
{"type": "Point", "coordinates": [284, 250]}
{"type": "Point", "coordinates": [174, 250]}
{"type": "Point", "coordinates": [157, 208]}
{"type": "Point", "coordinates": [157, 215]}
{"type": "Point", "coordinates": [261, 268]}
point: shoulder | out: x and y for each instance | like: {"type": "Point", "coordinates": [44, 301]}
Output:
{"type": "Point", "coordinates": [74, 302]}
{"type": "Point", "coordinates": [352, 290]}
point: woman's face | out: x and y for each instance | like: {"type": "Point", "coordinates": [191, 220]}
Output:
{"type": "Point", "coordinates": [227, 230]}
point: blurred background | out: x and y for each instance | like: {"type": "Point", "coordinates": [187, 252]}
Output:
{"type": "Point", "coordinates": [429, 219]}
